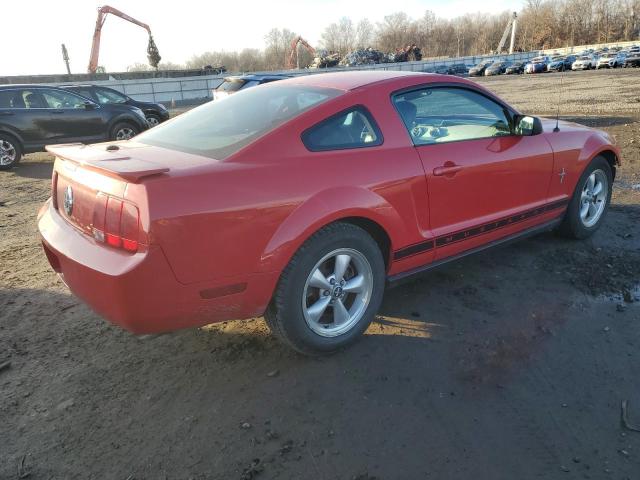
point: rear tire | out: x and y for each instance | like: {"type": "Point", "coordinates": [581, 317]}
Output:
{"type": "Point", "coordinates": [10, 151]}
{"type": "Point", "coordinates": [124, 131]}
{"type": "Point", "coordinates": [329, 292]}
{"type": "Point", "coordinates": [590, 201]}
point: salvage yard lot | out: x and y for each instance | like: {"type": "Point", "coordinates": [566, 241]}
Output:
{"type": "Point", "coordinates": [511, 364]}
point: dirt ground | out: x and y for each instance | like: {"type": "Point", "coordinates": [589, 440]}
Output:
{"type": "Point", "coordinates": [511, 364]}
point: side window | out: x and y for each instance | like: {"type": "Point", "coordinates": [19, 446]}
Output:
{"type": "Point", "coordinates": [30, 99]}
{"type": "Point", "coordinates": [85, 94]}
{"type": "Point", "coordinates": [107, 96]}
{"type": "Point", "coordinates": [60, 99]}
{"type": "Point", "coordinates": [352, 128]}
{"type": "Point", "coordinates": [450, 114]}
{"type": "Point", "coordinates": [6, 98]}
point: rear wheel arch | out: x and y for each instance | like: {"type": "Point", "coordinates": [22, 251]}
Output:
{"type": "Point", "coordinates": [376, 231]}
{"type": "Point", "coordinates": [14, 136]}
{"type": "Point", "coordinates": [368, 211]}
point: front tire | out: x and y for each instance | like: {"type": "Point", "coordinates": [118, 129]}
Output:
{"type": "Point", "coordinates": [153, 120]}
{"type": "Point", "coordinates": [590, 200]}
{"type": "Point", "coordinates": [329, 292]}
{"type": "Point", "coordinates": [10, 152]}
{"type": "Point", "coordinates": [124, 131]}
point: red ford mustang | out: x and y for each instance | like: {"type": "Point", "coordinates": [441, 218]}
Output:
{"type": "Point", "coordinates": [298, 200]}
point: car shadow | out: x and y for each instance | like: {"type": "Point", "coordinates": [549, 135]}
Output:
{"type": "Point", "coordinates": [33, 169]}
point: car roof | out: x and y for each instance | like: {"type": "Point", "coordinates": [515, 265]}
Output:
{"type": "Point", "coordinates": [257, 76]}
{"type": "Point", "coordinates": [26, 85]}
{"type": "Point", "coordinates": [352, 80]}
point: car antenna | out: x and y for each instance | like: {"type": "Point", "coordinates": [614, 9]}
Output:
{"type": "Point", "coordinates": [557, 129]}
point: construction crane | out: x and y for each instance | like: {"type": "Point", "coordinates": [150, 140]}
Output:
{"type": "Point", "coordinates": [294, 51]}
{"type": "Point", "coordinates": [152, 50]}
{"type": "Point", "coordinates": [511, 25]}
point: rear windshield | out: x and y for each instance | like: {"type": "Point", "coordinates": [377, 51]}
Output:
{"type": "Point", "coordinates": [231, 85]}
{"type": "Point", "coordinates": [221, 128]}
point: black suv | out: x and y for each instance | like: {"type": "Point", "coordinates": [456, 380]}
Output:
{"type": "Point", "coordinates": [155, 112]}
{"type": "Point", "coordinates": [32, 116]}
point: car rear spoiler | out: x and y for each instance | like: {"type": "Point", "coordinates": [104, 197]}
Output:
{"type": "Point", "coordinates": [112, 162]}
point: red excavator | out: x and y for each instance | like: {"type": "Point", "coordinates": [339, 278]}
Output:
{"type": "Point", "coordinates": [152, 50]}
{"type": "Point", "coordinates": [294, 51]}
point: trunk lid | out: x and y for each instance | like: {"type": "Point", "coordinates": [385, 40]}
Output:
{"type": "Point", "coordinates": [91, 179]}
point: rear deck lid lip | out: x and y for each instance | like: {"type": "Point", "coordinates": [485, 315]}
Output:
{"type": "Point", "coordinates": [114, 163]}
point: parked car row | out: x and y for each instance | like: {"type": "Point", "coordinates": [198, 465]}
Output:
{"type": "Point", "coordinates": [586, 60]}
{"type": "Point", "coordinates": [32, 116]}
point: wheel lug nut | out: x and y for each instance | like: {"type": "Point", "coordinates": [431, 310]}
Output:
{"type": "Point", "coordinates": [325, 293]}
{"type": "Point", "coordinates": [342, 282]}
{"type": "Point", "coordinates": [332, 281]}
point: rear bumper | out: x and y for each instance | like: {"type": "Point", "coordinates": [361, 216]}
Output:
{"type": "Point", "coordinates": [140, 292]}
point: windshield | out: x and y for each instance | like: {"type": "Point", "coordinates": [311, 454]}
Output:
{"type": "Point", "coordinates": [221, 128]}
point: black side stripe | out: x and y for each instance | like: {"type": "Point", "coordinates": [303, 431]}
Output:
{"type": "Point", "coordinates": [413, 249]}
{"type": "Point", "coordinates": [475, 231]}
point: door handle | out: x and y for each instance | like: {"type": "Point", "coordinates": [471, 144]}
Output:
{"type": "Point", "coordinates": [449, 168]}
{"type": "Point", "coordinates": [57, 111]}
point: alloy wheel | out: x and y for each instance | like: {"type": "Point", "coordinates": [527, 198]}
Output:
{"type": "Point", "coordinates": [593, 199]}
{"type": "Point", "coordinates": [7, 153]}
{"type": "Point", "coordinates": [125, 133]}
{"type": "Point", "coordinates": [337, 292]}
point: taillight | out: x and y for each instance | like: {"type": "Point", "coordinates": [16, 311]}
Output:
{"type": "Point", "coordinates": [116, 223]}
{"type": "Point", "coordinates": [129, 227]}
{"type": "Point", "coordinates": [54, 189]}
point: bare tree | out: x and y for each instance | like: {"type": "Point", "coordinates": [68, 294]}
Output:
{"type": "Point", "coordinates": [393, 32]}
{"type": "Point", "coordinates": [340, 36]}
{"type": "Point", "coordinates": [277, 49]}
{"type": "Point", "coordinates": [542, 24]}
{"type": "Point", "coordinates": [364, 34]}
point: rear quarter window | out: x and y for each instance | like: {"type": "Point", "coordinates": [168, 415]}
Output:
{"type": "Point", "coordinates": [354, 127]}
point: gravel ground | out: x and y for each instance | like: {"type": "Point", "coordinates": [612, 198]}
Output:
{"type": "Point", "coordinates": [511, 364]}
{"type": "Point", "coordinates": [593, 92]}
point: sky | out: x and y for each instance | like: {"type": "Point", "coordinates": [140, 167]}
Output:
{"type": "Point", "coordinates": [185, 28]}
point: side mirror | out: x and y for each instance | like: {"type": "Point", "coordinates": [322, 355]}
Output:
{"type": "Point", "coordinates": [527, 126]}
{"type": "Point", "coordinates": [90, 106]}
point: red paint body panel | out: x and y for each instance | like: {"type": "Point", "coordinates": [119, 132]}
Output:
{"type": "Point", "coordinates": [215, 235]}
